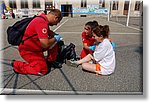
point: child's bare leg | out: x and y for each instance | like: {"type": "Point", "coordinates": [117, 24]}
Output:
{"type": "Point", "coordinates": [85, 59]}
{"type": "Point", "coordinates": [89, 67]}
{"type": "Point", "coordinates": [81, 61]}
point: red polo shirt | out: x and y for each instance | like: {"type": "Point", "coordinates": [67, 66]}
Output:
{"type": "Point", "coordinates": [89, 41]}
{"type": "Point", "coordinates": [37, 26]}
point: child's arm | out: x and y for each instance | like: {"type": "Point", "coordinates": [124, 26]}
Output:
{"type": "Point", "coordinates": [89, 47]}
{"type": "Point", "coordinates": [99, 54]}
{"type": "Point", "coordinates": [94, 61]}
{"type": "Point", "coordinates": [92, 58]}
{"type": "Point", "coordinates": [86, 46]}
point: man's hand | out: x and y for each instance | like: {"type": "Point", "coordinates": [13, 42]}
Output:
{"type": "Point", "coordinates": [57, 37]}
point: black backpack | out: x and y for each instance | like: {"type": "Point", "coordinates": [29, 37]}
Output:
{"type": "Point", "coordinates": [66, 52]}
{"type": "Point", "coordinates": [15, 32]}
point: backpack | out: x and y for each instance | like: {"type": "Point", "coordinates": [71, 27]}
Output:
{"type": "Point", "coordinates": [15, 32]}
{"type": "Point", "coordinates": [66, 52]}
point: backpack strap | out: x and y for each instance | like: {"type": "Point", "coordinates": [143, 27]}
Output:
{"type": "Point", "coordinates": [28, 38]}
{"type": "Point", "coordinates": [33, 34]}
{"type": "Point", "coordinates": [41, 17]}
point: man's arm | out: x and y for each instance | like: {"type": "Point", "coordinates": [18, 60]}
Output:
{"type": "Point", "coordinates": [47, 42]}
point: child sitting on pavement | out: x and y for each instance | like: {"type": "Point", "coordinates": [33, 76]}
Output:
{"type": "Point", "coordinates": [103, 57]}
{"type": "Point", "coordinates": [87, 38]}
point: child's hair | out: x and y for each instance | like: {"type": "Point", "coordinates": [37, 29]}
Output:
{"type": "Point", "coordinates": [101, 30]}
{"type": "Point", "coordinates": [106, 28]}
{"type": "Point", "coordinates": [97, 30]}
{"type": "Point", "coordinates": [92, 24]}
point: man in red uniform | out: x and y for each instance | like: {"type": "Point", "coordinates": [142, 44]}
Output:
{"type": "Point", "coordinates": [32, 49]}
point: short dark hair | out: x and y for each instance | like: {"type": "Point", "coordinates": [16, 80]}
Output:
{"type": "Point", "coordinates": [92, 24]}
{"type": "Point", "coordinates": [56, 12]}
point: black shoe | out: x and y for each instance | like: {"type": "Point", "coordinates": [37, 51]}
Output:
{"type": "Point", "coordinates": [12, 63]}
{"type": "Point", "coordinates": [56, 64]}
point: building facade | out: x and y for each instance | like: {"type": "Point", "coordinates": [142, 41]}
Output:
{"type": "Point", "coordinates": [114, 7]}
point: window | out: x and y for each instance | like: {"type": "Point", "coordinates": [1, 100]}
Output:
{"type": "Point", "coordinates": [12, 4]}
{"type": "Point", "coordinates": [137, 5]}
{"type": "Point", "coordinates": [36, 4]}
{"type": "Point", "coordinates": [101, 3]}
{"type": "Point", "coordinates": [24, 4]}
{"type": "Point", "coordinates": [115, 5]}
{"type": "Point", "coordinates": [126, 5]}
{"type": "Point", "coordinates": [83, 3]}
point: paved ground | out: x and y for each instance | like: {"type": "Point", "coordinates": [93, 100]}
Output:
{"type": "Point", "coordinates": [127, 79]}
